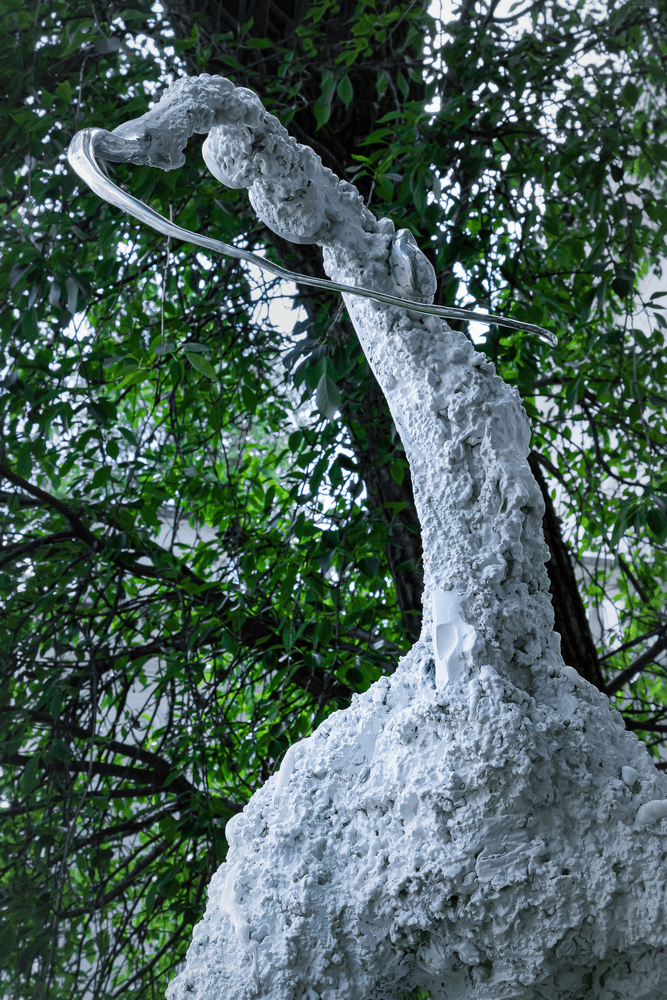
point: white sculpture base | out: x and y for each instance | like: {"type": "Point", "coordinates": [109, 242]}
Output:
{"type": "Point", "coordinates": [471, 840]}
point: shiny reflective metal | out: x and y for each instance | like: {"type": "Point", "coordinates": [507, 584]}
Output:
{"type": "Point", "coordinates": [81, 155]}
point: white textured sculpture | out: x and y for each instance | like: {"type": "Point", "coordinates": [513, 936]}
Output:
{"type": "Point", "coordinates": [480, 824]}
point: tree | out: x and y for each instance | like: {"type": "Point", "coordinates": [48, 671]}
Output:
{"type": "Point", "coordinates": [148, 689]}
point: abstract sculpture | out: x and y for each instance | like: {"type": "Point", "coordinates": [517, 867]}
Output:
{"type": "Point", "coordinates": [480, 824]}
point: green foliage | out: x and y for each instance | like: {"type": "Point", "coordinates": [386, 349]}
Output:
{"type": "Point", "coordinates": [419, 993]}
{"type": "Point", "coordinates": [209, 539]}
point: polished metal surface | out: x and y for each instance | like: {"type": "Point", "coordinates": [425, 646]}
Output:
{"type": "Point", "coordinates": [81, 155]}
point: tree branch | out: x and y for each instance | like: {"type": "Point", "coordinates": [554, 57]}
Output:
{"type": "Point", "coordinates": [25, 548]}
{"type": "Point", "coordinates": [156, 779]}
{"type": "Point", "coordinates": [633, 579]}
{"type": "Point", "coordinates": [49, 803]}
{"type": "Point", "coordinates": [78, 527]}
{"type": "Point", "coordinates": [647, 725]}
{"type": "Point", "coordinates": [101, 901]}
{"type": "Point", "coordinates": [519, 13]}
{"type": "Point", "coordinates": [633, 642]}
{"type": "Point", "coordinates": [642, 661]}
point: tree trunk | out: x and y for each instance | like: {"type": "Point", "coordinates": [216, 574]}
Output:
{"type": "Point", "coordinates": [570, 618]}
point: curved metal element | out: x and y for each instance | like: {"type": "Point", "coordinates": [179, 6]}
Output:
{"type": "Point", "coordinates": [81, 156]}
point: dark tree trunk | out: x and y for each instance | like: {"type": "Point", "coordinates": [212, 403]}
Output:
{"type": "Point", "coordinates": [571, 620]}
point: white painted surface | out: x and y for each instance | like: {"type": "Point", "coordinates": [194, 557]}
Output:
{"type": "Point", "coordinates": [453, 638]}
{"type": "Point", "coordinates": [477, 840]}
{"type": "Point", "coordinates": [475, 832]}
{"type": "Point", "coordinates": [652, 812]}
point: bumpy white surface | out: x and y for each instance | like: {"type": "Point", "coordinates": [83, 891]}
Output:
{"type": "Point", "coordinates": [479, 824]}
{"type": "Point", "coordinates": [475, 840]}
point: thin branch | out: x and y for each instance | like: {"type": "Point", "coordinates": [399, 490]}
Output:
{"type": "Point", "coordinates": [519, 13]}
{"type": "Point", "coordinates": [598, 450]}
{"type": "Point", "coordinates": [642, 661]}
{"type": "Point", "coordinates": [78, 527]}
{"type": "Point", "coordinates": [146, 968]}
{"type": "Point", "coordinates": [7, 496]}
{"type": "Point", "coordinates": [101, 901]}
{"type": "Point", "coordinates": [126, 829]}
{"type": "Point", "coordinates": [125, 773]}
{"type": "Point", "coordinates": [25, 548]}
{"type": "Point", "coordinates": [647, 726]}
{"type": "Point", "coordinates": [549, 466]}
{"type": "Point", "coordinates": [633, 642]}
{"type": "Point", "coordinates": [633, 579]}
{"type": "Point", "coordinates": [48, 803]}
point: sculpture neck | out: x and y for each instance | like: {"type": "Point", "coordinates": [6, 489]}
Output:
{"type": "Point", "coordinates": [466, 437]}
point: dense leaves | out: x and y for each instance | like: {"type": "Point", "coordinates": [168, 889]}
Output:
{"type": "Point", "coordinates": [209, 539]}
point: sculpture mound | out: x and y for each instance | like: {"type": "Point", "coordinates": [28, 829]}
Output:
{"type": "Point", "coordinates": [475, 841]}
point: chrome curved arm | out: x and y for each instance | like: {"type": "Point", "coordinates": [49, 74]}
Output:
{"type": "Point", "coordinates": [81, 156]}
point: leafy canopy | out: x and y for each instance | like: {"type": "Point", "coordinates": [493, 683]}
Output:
{"type": "Point", "coordinates": [209, 539]}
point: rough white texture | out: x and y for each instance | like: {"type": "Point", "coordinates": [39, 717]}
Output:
{"type": "Point", "coordinates": [480, 823]}
{"type": "Point", "coordinates": [475, 840]}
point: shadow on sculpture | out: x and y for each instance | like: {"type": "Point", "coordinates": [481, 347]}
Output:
{"type": "Point", "coordinates": [480, 824]}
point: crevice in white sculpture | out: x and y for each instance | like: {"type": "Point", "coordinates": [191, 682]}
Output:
{"type": "Point", "coordinates": [480, 824]}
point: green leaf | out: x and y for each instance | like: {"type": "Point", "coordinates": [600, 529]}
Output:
{"type": "Point", "coordinates": [56, 704]}
{"type": "Point", "coordinates": [370, 565]}
{"type": "Point", "coordinates": [574, 391]}
{"type": "Point", "coordinates": [72, 286]}
{"type": "Point", "coordinates": [354, 677]}
{"type": "Point", "coordinates": [630, 94]}
{"type": "Point", "coordinates": [102, 476]}
{"type": "Point", "coordinates": [328, 85]}
{"type": "Point", "coordinates": [64, 92]}
{"type": "Point", "coordinates": [60, 750]}
{"type": "Point", "coordinates": [8, 937]}
{"type": "Point", "coordinates": [193, 345]}
{"type": "Point", "coordinates": [656, 518]}
{"type": "Point", "coordinates": [395, 506]}
{"type": "Point", "coordinates": [249, 398]}
{"type": "Point", "coordinates": [294, 440]}
{"type": "Point", "coordinates": [203, 366]}
{"type": "Point", "coordinates": [30, 775]}
{"type": "Point", "coordinates": [150, 898]}
{"type": "Point", "coordinates": [17, 272]}
{"type": "Point", "coordinates": [134, 378]}
{"type": "Point", "coordinates": [397, 470]}
{"type": "Point", "coordinates": [402, 84]}
{"type": "Point", "coordinates": [345, 90]}
{"type": "Point", "coordinates": [623, 516]}
{"type": "Point", "coordinates": [327, 397]}
{"type": "Point", "coordinates": [322, 111]}
{"type": "Point", "coordinates": [610, 137]}
{"type": "Point", "coordinates": [385, 189]}
{"type": "Point", "coordinates": [23, 465]}
{"type": "Point", "coordinates": [128, 435]}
